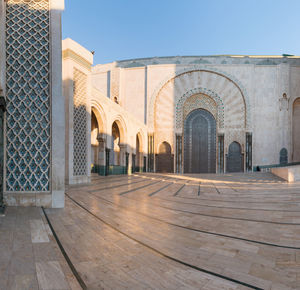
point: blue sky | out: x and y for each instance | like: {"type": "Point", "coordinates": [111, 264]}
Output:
{"type": "Point", "coordinates": [125, 29]}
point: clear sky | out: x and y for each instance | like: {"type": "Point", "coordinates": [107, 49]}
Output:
{"type": "Point", "coordinates": [125, 29]}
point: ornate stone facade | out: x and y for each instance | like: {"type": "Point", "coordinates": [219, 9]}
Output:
{"type": "Point", "coordinates": [80, 124]}
{"type": "Point", "coordinates": [241, 93]}
{"type": "Point", "coordinates": [32, 51]}
{"type": "Point", "coordinates": [48, 137]}
{"type": "Point", "coordinates": [200, 101]}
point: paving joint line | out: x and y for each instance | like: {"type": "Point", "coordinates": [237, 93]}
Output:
{"type": "Point", "coordinates": [154, 192]}
{"type": "Point", "coordinates": [135, 189]}
{"type": "Point", "coordinates": [120, 185]}
{"type": "Point", "coordinates": [165, 255]}
{"type": "Point", "coordinates": [177, 192]}
{"type": "Point", "coordinates": [201, 231]}
{"type": "Point", "coordinates": [64, 253]}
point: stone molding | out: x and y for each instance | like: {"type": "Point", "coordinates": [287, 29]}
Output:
{"type": "Point", "coordinates": [199, 68]}
{"type": "Point", "coordinates": [180, 113]}
{"type": "Point", "coordinates": [68, 53]}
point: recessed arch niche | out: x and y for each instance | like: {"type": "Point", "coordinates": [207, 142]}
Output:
{"type": "Point", "coordinates": [164, 158]}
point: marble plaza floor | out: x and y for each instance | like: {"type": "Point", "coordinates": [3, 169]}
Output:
{"type": "Point", "coordinates": [155, 231]}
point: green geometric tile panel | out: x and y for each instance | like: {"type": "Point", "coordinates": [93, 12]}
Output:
{"type": "Point", "coordinates": [28, 95]}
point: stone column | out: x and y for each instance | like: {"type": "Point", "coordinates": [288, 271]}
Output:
{"type": "Point", "coordinates": [58, 107]}
{"type": "Point", "coordinates": [178, 158]}
{"type": "Point", "coordinates": [101, 151]}
{"type": "Point", "coordinates": [123, 148]}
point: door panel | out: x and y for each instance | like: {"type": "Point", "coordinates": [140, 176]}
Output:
{"type": "Point", "coordinates": [200, 142]}
{"type": "Point", "coordinates": [164, 160]}
{"type": "Point", "coordinates": [235, 158]}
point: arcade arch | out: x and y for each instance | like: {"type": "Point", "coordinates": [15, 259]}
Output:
{"type": "Point", "coordinates": [115, 146]}
{"type": "Point", "coordinates": [97, 139]}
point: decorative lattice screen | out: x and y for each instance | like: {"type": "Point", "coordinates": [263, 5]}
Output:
{"type": "Point", "coordinates": [80, 124]}
{"type": "Point", "coordinates": [28, 96]}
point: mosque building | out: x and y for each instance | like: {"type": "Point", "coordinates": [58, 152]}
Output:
{"type": "Point", "coordinates": [63, 117]}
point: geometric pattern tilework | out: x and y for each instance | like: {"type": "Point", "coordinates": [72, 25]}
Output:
{"type": "Point", "coordinates": [28, 96]}
{"type": "Point", "coordinates": [115, 84]}
{"type": "Point", "coordinates": [200, 101]}
{"type": "Point", "coordinates": [199, 68]}
{"type": "Point", "coordinates": [80, 124]}
{"type": "Point", "coordinates": [179, 114]}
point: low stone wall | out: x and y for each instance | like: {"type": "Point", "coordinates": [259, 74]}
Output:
{"type": "Point", "coordinates": [289, 173]}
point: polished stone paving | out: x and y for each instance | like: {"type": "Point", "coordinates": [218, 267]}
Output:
{"type": "Point", "coordinates": [156, 231]}
{"type": "Point", "coordinates": [29, 255]}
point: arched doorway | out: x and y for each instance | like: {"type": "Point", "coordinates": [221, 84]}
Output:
{"type": "Point", "coordinates": [200, 142]}
{"type": "Point", "coordinates": [98, 140]}
{"type": "Point", "coordinates": [283, 156]}
{"type": "Point", "coordinates": [234, 162]}
{"type": "Point", "coordinates": [296, 130]}
{"type": "Point", "coordinates": [115, 157]}
{"type": "Point", "coordinates": [94, 141]}
{"type": "Point", "coordinates": [164, 158]}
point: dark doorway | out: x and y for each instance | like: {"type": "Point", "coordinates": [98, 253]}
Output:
{"type": "Point", "coordinates": [107, 161]}
{"type": "Point", "coordinates": [283, 158]}
{"type": "Point", "coordinates": [126, 162]}
{"type": "Point", "coordinates": [200, 142]}
{"type": "Point", "coordinates": [133, 164]}
{"type": "Point", "coordinates": [164, 159]}
{"type": "Point", "coordinates": [235, 158]}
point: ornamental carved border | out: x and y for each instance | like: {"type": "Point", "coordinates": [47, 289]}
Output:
{"type": "Point", "coordinates": [206, 100]}
{"type": "Point", "coordinates": [208, 69]}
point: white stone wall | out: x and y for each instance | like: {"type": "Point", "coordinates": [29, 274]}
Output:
{"type": "Point", "coordinates": [262, 81]}
{"type": "Point", "coordinates": [100, 95]}
{"type": "Point", "coordinates": [77, 63]}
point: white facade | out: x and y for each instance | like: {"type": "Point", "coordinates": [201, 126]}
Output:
{"type": "Point", "coordinates": [253, 94]}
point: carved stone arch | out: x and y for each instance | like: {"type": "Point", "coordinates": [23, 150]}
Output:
{"type": "Point", "coordinates": [228, 77]}
{"type": "Point", "coordinates": [122, 128]}
{"type": "Point", "coordinates": [100, 116]}
{"type": "Point", "coordinates": [98, 136]}
{"type": "Point", "coordinates": [199, 98]}
{"type": "Point", "coordinates": [140, 135]}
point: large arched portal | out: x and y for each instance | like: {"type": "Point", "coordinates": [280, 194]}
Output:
{"type": "Point", "coordinates": [296, 130]}
{"type": "Point", "coordinates": [200, 142]}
